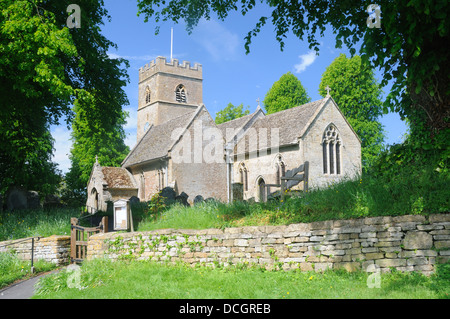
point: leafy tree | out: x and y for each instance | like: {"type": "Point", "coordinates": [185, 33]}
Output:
{"type": "Point", "coordinates": [286, 93]}
{"type": "Point", "coordinates": [410, 47]}
{"type": "Point", "coordinates": [358, 95]}
{"type": "Point", "coordinates": [95, 134]}
{"type": "Point", "coordinates": [231, 112]}
{"type": "Point", "coordinates": [46, 68]}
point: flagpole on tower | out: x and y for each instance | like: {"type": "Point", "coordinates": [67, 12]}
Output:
{"type": "Point", "coordinates": [171, 43]}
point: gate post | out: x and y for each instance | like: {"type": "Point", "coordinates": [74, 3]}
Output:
{"type": "Point", "coordinates": [73, 239]}
{"type": "Point", "coordinates": [105, 224]}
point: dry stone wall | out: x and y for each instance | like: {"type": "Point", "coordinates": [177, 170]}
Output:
{"type": "Point", "coordinates": [55, 249]}
{"type": "Point", "coordinates": [407, 243]}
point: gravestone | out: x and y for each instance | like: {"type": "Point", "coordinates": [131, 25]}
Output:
{"type": "Point", "coordinates": [52, 201]}
{"type": "Point", "coordinates": [182, 199]}
{"type": "Point", "coordinates": [33, 200]}
{"type": "Point", "coordinates": [16, 199]}
{"type": "Point", "coordinates": [169, 194]}
{"type": "Point", "coordinates": [198, 199]}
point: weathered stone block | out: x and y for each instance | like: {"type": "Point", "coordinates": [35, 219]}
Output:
{"type": "Point", "coordinates": [437, 218]}
{"type": "Point", "coordinates": [429, 227]}
{"type": "Point", "coordinates": [417, 261]}
{"type": "Point", "coordinates": [371, 256]}
{"type": "Point", "coordinates": [390, 262]}
{"type": "Point", "coordinates": [349, 266]}
{"type": "Point", "coordinates": [417, 240]}
{"type": "Point", "coordinates": [346, 230]}
{"type": "Point", "coordinates": [444, 244]}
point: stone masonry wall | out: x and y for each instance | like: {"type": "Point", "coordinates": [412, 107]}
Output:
{"type": "Point", "coordinates": [55, 249]}
{"type": "Point", "coordinates": [407, 243]}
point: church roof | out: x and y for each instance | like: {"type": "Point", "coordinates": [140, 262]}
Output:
{"type": "Point", "coordinates": [117, 177]}
{"type": "Point", "coordinates": [238, 125]}
{"type": "Point", "coordinates": [291, 124]}
{"type": "Point", "coordinates": [157, 141]}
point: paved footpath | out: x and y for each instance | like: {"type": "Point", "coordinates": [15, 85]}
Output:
{"type": "Point", "coordinates": [22, 290]}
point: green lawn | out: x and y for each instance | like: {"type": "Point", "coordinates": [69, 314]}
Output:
{"type": "Point", "coordinates": [13, 269]}
{"type": "Point", "coordinates": [103, 279]}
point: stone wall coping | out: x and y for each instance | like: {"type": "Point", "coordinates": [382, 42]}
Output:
{"type": "Point", "coordinates": [335, 226]}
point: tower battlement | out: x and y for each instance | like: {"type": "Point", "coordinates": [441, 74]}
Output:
{"type": "Point", "coordinates": [160, 65]}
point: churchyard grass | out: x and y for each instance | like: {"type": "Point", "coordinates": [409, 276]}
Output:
{"type": "Point", "coordinates": [422, 193]}
{"type": "Point", "coordinates": [104, 279]}
{"type": "Point", "coordinates": [39, 223]}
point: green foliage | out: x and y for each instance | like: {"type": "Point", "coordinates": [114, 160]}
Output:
{"type": "Point", "coordinates": [358, 95]}
{"type": "Point", "coordinates": [34, 92]}
{"type": "Point", "coordinates": [97, 128]}
{"type": "Point", "coordinates": [286, 93]}
{"type": "Point", "coordinates": [231, 112]}
{"type": "Point", "coordinates": [12, 268]}
{"type": "Point", "coordinates": [45, 69]}
{"type": "Point", "coordinates": [155, 206]}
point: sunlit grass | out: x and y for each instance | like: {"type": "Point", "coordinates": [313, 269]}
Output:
{"type": "Point", "coordinates": [41, 223]}
{"type": "Point", "coordinates": [422, 194]}
{"type": "Point", "coordinates": [12, 268]}
{"type": "Point", "coordinates": [103, 279]}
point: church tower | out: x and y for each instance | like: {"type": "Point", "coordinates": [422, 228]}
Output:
{"type": "Point", "coordinates": [167, 90]}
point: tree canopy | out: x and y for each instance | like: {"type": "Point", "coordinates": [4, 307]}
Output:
{"type": "Point", "coordinates": [45, 69]}
{"type": "Point", "coordinates": [231, 112]}
{"type": "Point", "coordinates": [358, 96]}
{"type": "Point", "coordinates": [285, 93]}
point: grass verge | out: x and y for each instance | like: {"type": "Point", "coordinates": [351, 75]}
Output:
{"type": "Point", "coordinates": [12, 269]}
{"type": "Point", "coordinates": [103, 279]}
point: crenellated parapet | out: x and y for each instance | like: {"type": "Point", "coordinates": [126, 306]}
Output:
{"type": "Point", "coordinates": [161, 65]}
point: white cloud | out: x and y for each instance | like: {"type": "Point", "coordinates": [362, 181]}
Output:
{"type": "Point", "coordinates": [132, 57]}
{"type": "Point", "coordinates": [219, 42]}
{"type": "Point", "coordinates": [62, 147]}
{"type": "Point", "coordinates": [305, 61]}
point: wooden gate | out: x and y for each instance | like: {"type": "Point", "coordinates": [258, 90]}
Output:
{"type": "Point", "coordinates": [292, 178]}
{"type": "Point", "coordinates": [79, 238]}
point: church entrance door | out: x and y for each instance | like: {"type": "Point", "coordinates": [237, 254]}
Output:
{"type": "Point", "coordinates": [262, 190]}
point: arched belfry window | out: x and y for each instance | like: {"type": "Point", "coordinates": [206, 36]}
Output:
{"type": "Point", "coordinates": [243, 176]}
{"type": "Point", "coordinates": [148, 95]}
{"type": "Point", "coordinates": [331, 149]}
{"type": "Point", "coordinates": [280, 170]}
{"type": "Point", "coordinates": [180, 93]}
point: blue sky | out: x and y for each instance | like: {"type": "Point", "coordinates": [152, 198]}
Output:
{"type": "Point", "coordinates": [229, 75]}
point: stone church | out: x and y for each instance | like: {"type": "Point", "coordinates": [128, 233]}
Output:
{"type": "Point", "coordinates": [179, 145]}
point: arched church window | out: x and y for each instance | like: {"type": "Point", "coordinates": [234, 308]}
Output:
{"type": "Point", "coordinates": [147, 95]}
{"type": "Point", "coordinates": [280, 170]}
{"type": "Point", "coordinates": [262, 190]}
{"type": "Point", "coordinates": [180, 94]}
{"type": "Point", "coordinates": [243, 176]}
{"type": "Point", "coordinates": [331, 148]}
{"type": "Point", "coordinates": [146, 126]}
